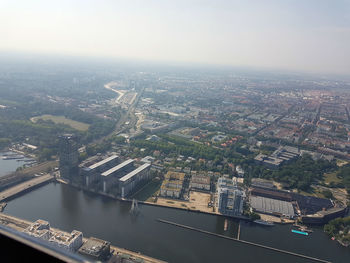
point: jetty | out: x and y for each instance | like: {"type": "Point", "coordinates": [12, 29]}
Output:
{"type": "Point", "coordinates": [243, 241]}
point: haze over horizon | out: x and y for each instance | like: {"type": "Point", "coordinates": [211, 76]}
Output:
{"type": "Point", "coordinates": [312, 36]}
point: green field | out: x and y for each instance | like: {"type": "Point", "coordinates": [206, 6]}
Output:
{"type": "Point", "coordinates": [331, 177]}
{"type": "Point", "coordinates": [80, 126]}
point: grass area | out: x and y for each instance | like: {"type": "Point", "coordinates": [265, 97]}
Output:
{"type": "Point", "coordinates": [331, 177]}
{"type": "Point", "coordinates": [340, 163]}
{"type": "Point", "coordinates": [80, 126]}
{"type": "Point", "coordinates": [147, 191]}
{"type": "Point", "coordinates": [315, 193]}
{"type": "Point", "coordinates": [306, 193]}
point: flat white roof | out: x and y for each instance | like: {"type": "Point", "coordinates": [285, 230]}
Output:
{"type": "Point", "coordinates": [118, 167]}
{"type": "Point", "coordinates": [134, 172]}
{"type": "Point", "coordinates": [103, 161]}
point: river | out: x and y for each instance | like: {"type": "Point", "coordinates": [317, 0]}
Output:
{"type": "Point", "coordinates": [68, 208]}
{"type": "Point", "coordinates": [8, 166]}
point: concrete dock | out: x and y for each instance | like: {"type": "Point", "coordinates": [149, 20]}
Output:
{"type": "Point", "coordinates": [244, 242]}
{"type": "Point", "coordinates": [23, 187]}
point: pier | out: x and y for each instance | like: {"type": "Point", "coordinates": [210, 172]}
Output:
{"type": "Point", "coordinates": [239, 230]}
{"type": "Point", "coordinates": [243, 241]}
{"type": "Point", "coordinates": [24, 187]}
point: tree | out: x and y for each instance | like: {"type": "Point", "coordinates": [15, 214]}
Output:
{"type": "Point", "coordinates": [328, 194]}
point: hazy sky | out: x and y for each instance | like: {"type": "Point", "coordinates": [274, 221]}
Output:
{"type": "Point", "coordinates": [312, 35]}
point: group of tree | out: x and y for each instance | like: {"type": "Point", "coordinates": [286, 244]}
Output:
{"type": "Point", "coordinates": [173, 145]}
{"type": "Point", "coordinates": [344, 174]}
{"type": "Point", "coordinates": [303, 172]}
{"type": "Point", "coordinates": [339, 228]}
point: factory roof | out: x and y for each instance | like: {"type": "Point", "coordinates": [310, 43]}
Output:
{"type": "Point", "coordinates": [118, 167]}
{"type": "Point", "coordinates": [134, 172]}
{"type": "Point", "coordinates": [272, 206]}
{"type": "Point", "coordinates": [103, 161]}
{"type": "Point", "coordinates": [272, 193]}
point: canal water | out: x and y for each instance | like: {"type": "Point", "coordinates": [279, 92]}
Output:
{"type": "Point", "coordinates": [68, 208]}
{"type": "Point", "coordinates": [8, 166]}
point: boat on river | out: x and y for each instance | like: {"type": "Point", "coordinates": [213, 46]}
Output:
{"type": "Point", "coordinates": [13, 157]}
{"type": "Point", "coordinates": [302, 228]}
{"type": "Point", "coordinates": [300, 232]}
{"type": "Point", "coordinates": [225, 225]}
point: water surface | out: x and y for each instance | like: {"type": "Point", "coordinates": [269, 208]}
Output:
{"type": "Point", "coordinates": [68, 208]}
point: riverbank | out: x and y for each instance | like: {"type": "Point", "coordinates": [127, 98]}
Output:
{"type": "Point", "coordinates": [167, 205]}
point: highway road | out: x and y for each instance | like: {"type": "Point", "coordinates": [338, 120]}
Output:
{"type": "Point", "coordinates": [4, 195]}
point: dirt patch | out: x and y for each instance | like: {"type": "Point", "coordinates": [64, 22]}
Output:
{"type": "Point", "coordinates": [197, 201]}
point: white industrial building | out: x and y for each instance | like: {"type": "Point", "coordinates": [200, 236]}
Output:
{"type": "Point", "coordinates": [128, 182]}
{"type": "Point", "coordinates": [111, 176]}
{"type": "Point", "coordinates": [93, 172]}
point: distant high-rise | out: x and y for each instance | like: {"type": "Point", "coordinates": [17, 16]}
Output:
{"type": "Point", "coordinates": [69, 156]}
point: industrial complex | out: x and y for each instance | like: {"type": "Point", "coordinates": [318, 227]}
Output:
{"type": "Point", "coordinates": [120, 177]}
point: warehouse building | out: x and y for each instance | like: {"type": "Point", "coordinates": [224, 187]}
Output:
{"type": "Point", "coordinates": [128, 182]}
{"type": "Point", "coordinates": [272, 206]}
{"type": "Point", "coordinates": [272, 193]}
{"type": "Point", "coordinates": [303, 205]}
{"type": "Point", "coordinates": [93, 172]}
{"type": "Point", "coordinates": [111, 177]}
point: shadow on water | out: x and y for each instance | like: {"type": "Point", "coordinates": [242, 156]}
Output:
{"type": "Point", "coordinates": [70, 200]}
{"type": "Point", "coordinates": [232, 226]}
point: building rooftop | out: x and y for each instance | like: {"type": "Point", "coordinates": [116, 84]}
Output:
{"type": "Point", "coordinates": [272, 193]}
{"type": "Point", "coordinates": [94, 247]}
{"type": "Point", "coordinates": [134, 172]}
{"type": "Point", "coordinates": [118, 167]}
{"type": "Point", "coordinates": [272, 206]}
{"type": "Point", "coordinates": [62, 237]}
{"type": "Point", "coordinates": [200, 179]}
{"type": "Point", "coordinates": [103, 161]}
{"type": "Point", "coordinates": [170, 175]}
